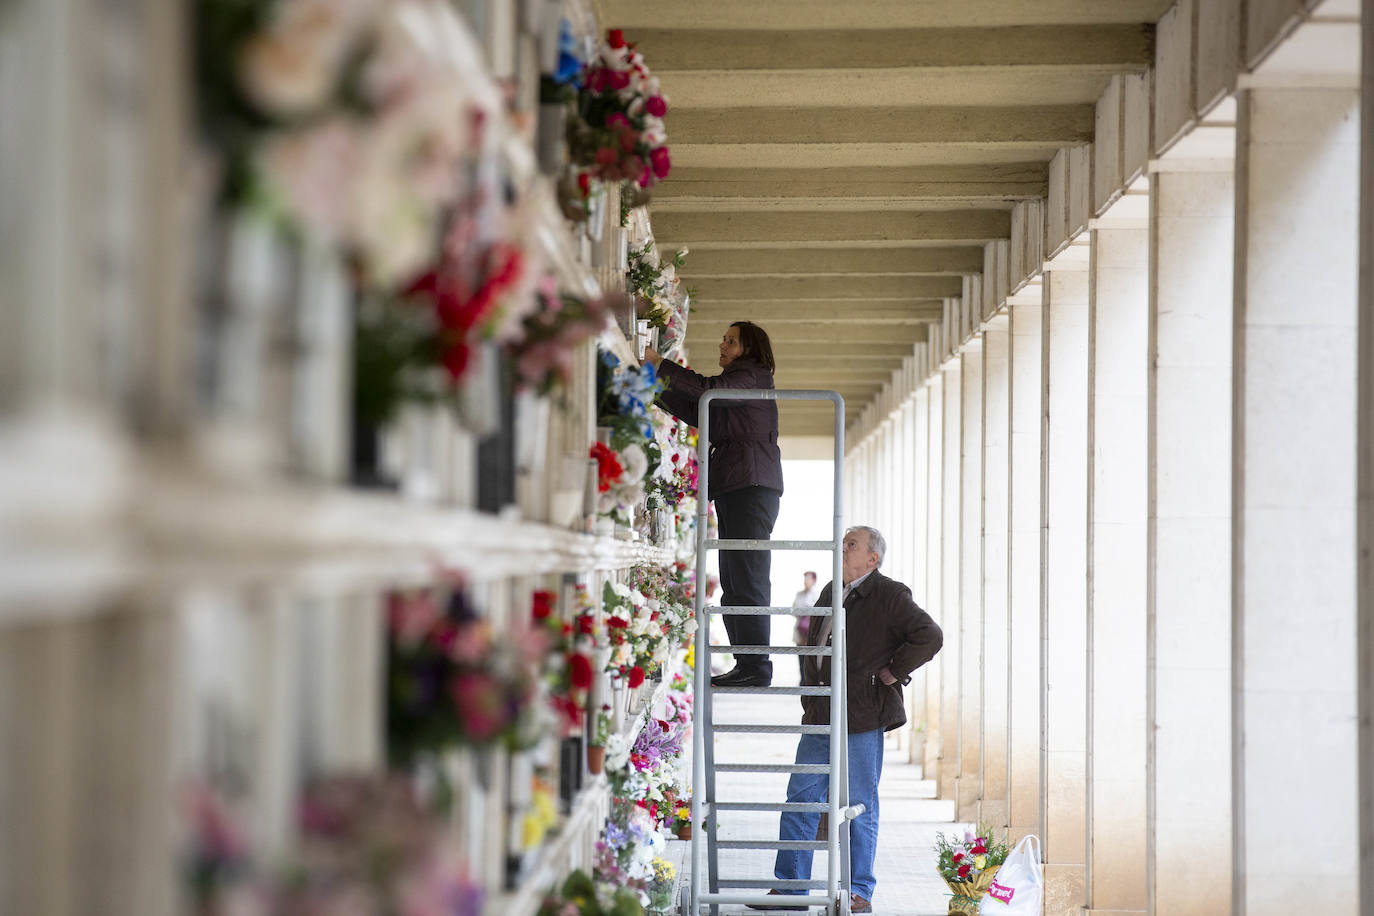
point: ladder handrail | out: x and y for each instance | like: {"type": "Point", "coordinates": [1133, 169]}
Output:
{"type": "Point", "coordinates": [838, 795]}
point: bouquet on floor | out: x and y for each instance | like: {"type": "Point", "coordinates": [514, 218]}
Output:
{"type": "Point", "coordinates": [968, 866]}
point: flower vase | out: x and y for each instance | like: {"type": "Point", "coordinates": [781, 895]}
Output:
{"type": "Point", "coordinates": [967, 894]}
{"type": "Point", "coordinates": [596, 759]}
{"type": "Point", "coordinates": [684, 831]}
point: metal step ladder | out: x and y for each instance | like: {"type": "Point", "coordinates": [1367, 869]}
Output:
{"type": "Point", "coordinates": [706, 807]}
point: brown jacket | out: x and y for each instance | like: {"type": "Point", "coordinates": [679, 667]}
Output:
{"type": "Point", "coordinates": [884, 628]}
{"type": "Point", "coordinates": [744, 434]}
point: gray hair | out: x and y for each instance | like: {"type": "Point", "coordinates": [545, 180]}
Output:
{"type": "Point", "coordinates": [875, 541]}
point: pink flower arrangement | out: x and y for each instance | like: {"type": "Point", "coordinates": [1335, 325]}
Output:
{"type": "Point", "coordinates": [619, 134]}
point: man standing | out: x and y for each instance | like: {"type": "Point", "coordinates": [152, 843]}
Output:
{"type": "Point", "coordinates": [888, 637]}
{"type": "Point", "coordinates": [806, 598]}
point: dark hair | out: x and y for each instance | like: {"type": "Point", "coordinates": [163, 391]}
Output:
{"type": "Point", "coordinates": [754, 341]}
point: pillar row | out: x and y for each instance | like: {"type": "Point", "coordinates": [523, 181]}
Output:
{"type": "Point", "coordinates": [1189, 546]}
{"type": "Point", "coordinates": [969, 788]}
{"type": "Point", "coordinates": [1294, 708]}
{"type": "Point", "coordinates": [995, 634]}
{"type": "Point", "coordinates": [950, 605]}
{"type": "Point", "coordinates": [1026, 416]}
{"type": "Point", "coordinates": [1063, 611]}
{"type": "Point", "coordinates": [1117, 431]}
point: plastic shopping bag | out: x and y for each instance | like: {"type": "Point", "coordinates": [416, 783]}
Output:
{"type": "Point", "coordinates": [1019, 886]}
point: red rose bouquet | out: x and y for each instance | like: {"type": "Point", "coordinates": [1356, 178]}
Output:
{"type": "Point", "coordinates": [618, 133]}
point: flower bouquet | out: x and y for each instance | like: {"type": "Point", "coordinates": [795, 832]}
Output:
{"type": "Point", "coordinates": [682, 818]}
{"type": "Point", "coordinates": [655, 284]}
{"type": "Point", "coordinates": [968, 867]}
{"type": "Point", "coordinates": [452, 682]}
{"type": "Point", "coordinates": [580, 895]}
{"type": "Point", "coordinates": [661, 886]}
{"type": "Point", "coordinates": [617, 132]}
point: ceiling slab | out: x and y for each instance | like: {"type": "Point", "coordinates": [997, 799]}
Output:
{"type": "Point", "coordinates": [1052, 125]}
{"type": "Point", "coordinates": [722, 316]}
{"type": "Point", "coordinates": [857, 262]}
{"type": "Point", "coordinates": [863, 155]}
{"type": "Point", "coordinates": [1124, 45]}
{"type": "Point", "coordinates": [757, 289]}
{"type": "Point", "coordinates": [891, 87]}
{"type": "Point", "coordinates": [798, 15]}
{"type": "Point", "coordinates": [733, 230]}
{"type": "Point", "coordinates": [838, 168]}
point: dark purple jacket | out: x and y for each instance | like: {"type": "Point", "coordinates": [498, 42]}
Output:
{"type": "Point", "coordinates": [744, 434]}
{"type": "Point", "coordinates": [884, 629]}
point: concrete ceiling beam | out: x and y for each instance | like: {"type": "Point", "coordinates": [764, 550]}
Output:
{"type": "Point", "coordinates": [847, 334]}
{"type": "Point", "coordinates": [755, 289]}
{"type": "Point", "coordinates": [890, 229]}
{"type": "Point", "coordinates": [797, 15]}
{"type": "Point", "coordinates": [830, 262]}
{"type": "Point", "coordinates": [770, 313]}
{"type": "Point", "coordinates": [1129, 47]}
{"type": "Point", "coordinates": [857, 189]}
{"type": "Point", "coordinates": [890, 352]}
{"type": "Point", "coordinates": [1036, 126]}
{"type": "Point", "coordinates": [838, 375]}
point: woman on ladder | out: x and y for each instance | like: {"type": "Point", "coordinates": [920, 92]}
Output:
{"type": "Point", "coordinates": [745, 482]}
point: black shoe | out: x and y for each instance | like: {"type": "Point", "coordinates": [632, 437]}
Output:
{"type": "Point", "coordinates": [774, 906]}
{"type": "Point", "coordinates": [739, 677]}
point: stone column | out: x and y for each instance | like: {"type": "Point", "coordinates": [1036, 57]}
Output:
{"type": "Point", "coordinates": [1188, 595]}
{"type": "Point", "coordinates": [919, 507]}
{"type": "Point", "coordinates": [935, 437]}
{"type": "Point", "coordinates": [950, 619]}
{"type": "Point", "coordinates": [1025, 524]}
{"type": "Point", "coordinates": [996, 404]}
{"type": "Point", "coordinates": [1294, 586]}
{"type": "Point", "coordinates": [1365, 517]}
{"type": "Point", "coordinates": [970, 584]}
{"type": "Point", "coordinates": [1064, 611]}
{"type": "Point", "coordinates": [1117, 450]}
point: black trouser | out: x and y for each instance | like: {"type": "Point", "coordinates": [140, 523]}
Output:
{"type": "Point", "coordinates": [744, 574]}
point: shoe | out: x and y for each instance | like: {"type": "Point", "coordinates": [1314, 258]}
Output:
{"type": "Point", "coordinates": [858, 904]}
{"type": "Point", "coordinates": [774, 906]}
{"type": "Point", "coordinates": [738, 677]}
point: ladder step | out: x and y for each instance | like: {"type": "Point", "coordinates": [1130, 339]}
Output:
{"type": "Point", "coordinates": [772, 806]}
{"type": "Point", "coordinates": [770, 650]}
{"type": "Point", "coordinates": [736, 728]}
{"type": "Point", "coordinates": [792, 845]}
{"type": "Point", "coordinates": [782, 884]}
{"type": "Point", "coordinates": [749, 544]}
{"type": "Point", "coordinates": [759, 609]}
{"type": "Point", "coordinates": [772, 768]}
{"type": "Point", "coordinates": [780, 691]}
{"type": "Point", "coordinates": [765, 901]}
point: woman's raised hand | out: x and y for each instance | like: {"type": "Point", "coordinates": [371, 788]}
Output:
{"type": "Point", "coordinates": [651, 356]}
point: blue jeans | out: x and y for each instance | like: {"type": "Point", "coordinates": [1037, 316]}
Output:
{"type": "Point", "coordinates": [865, 766]}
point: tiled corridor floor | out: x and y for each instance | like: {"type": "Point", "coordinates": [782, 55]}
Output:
{"type": "Point", "coordinates": [907, 882]}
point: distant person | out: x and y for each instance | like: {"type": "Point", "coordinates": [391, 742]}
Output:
{"type": "Point", "coordinates": [745, 471]}
{"type": "Point", "coordinates": [806, 598]}
{"type": "Point", "coordinates": [887, 638]}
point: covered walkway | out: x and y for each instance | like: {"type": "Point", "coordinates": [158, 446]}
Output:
{"type": "Point", "coordinates": [331, 488]}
